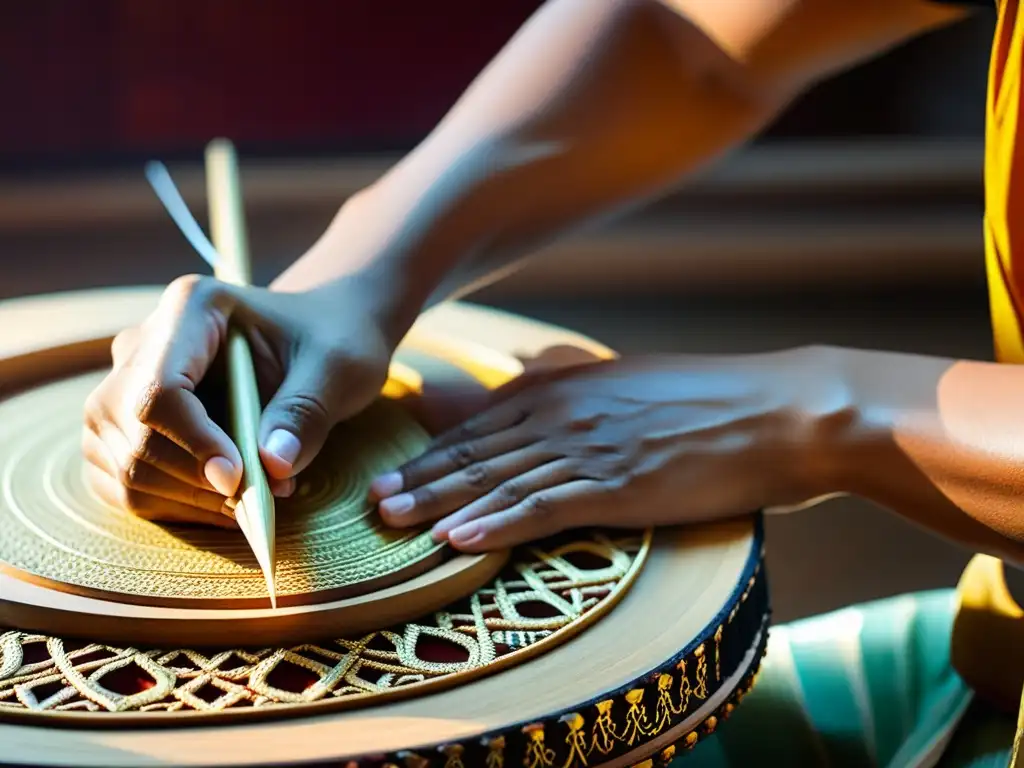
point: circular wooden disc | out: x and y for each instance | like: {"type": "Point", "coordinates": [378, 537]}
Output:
{"type": "Point", "coordinates": [61, 334]}
{"type": "Point", "coordinates": [331, 543]}
{"type": "Point", "coordinates": [694, 582]}
{"type": "Point", "coordinates": [66, 558]}
{"type": "Point", "coordinates": [685, 587]}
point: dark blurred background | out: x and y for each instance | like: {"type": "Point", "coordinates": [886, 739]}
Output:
{"type": "Point", "coordinates": [854, 220]}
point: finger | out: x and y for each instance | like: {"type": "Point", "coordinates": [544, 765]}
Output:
{"type": "Point", "coordinates": [177, 346]}
{"type": "Point", "coordinates": [541, 514]}
{"type": "Point", "coordinates": [178, 415]}
{"type": "Point", "coordinates": [506, 415]}
{"type": "Point", "coordinates": [434, 500]}
{"type": "Point", "coordinates": [297, 419]}
{"type": "Point", "coordinates": [139, 476]}
{"type": "Point", "coordinates": [441, 462]}
{"type": "Point", "coordinates": [130, 442]}
{"type": "Point", "coordinates": [151, 507]}
{"type": "Point", "coordinates": [508, 494]}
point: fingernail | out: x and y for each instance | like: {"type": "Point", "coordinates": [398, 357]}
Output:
{"type": "Point", "coordinates": [397, 505]}
{"type": "Point", "coordinates": [440, 532]}
{"type": "Point", "coordinates": [228, 508]}
{"type": "Point", "coordinates": [386, 485]}
{"type": "Point", "coordinates": [221, 474]}
{"type": "Point", "coordinates": [465, 534]}
{"type": "Point", "coordinates": [283, 489]}
{"type": "Point", "coordinates": [284, 445]}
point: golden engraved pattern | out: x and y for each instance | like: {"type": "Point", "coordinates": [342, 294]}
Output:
{"type": "Point", "coordinates": [587, 743]}
{"type": "Point", "coordinates": [329, 536]}
{"type": "Point", "coordinates": [563, 582]}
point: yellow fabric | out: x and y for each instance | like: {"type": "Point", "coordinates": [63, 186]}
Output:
{"type": "Point", "coordinates": [1004, 236]}
{"type": "Point", "coordinates": [1004, 223]}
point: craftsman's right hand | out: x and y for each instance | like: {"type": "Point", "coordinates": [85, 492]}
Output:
{"type": "Point", "coordinates": [151, 445]}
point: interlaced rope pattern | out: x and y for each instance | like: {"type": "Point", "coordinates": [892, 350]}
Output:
{"type": "Point", "coordinates": [541, 595]}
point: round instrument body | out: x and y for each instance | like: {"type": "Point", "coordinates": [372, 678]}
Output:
{"type": "Point", "coordinates": [72, 533]}
{"type": "Point", "coordinates": [645, 677]}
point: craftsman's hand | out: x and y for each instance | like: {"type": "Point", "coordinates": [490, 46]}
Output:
{"type": "Point", "coordinates": [626, 444]}
{"type": "Point", "coordinates": [150, 442]}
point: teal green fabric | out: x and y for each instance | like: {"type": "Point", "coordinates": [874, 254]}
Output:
{"type": "Point", "coordinates": [867, 686]}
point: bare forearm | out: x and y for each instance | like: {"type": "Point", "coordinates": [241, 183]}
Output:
{"type": "Point", "coordinates": [595, 105]}
{"type": "Point", "coordinates": [940, 442]}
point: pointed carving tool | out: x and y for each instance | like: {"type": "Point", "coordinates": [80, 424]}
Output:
{"type": "Point", "coordinates": [229, 257]}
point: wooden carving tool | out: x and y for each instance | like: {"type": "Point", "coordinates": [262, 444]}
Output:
{"type": "Point", "coordinates": [254, 510]}
{"type": "Point", "coordinates": [229, 257]}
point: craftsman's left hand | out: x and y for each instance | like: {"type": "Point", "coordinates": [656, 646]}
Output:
{"type": "Point", "coordinates": [627, 443]}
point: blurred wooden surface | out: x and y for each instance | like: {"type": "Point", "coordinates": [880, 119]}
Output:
{"type": "Point", "coordinates": [812, 214]}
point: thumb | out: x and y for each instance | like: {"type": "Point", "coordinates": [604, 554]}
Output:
{"type": "Point", "coordinates": [297, 420]}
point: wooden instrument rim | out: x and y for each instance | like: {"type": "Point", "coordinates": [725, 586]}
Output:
{"type": "Point", "coordinates": [194, 718]}
{"type": "Point", "coordinates": [603, 663]}
{"type": "Point", "coordinates": [707, 564]}
{"type": "Point", "coordinates": [71, 333]}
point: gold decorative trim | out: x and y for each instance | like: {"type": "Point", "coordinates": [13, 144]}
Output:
{"type": "Point", "coordinates": [591, 743]}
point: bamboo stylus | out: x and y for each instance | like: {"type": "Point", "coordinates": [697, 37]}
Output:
{"type": "Point", "coordinates": [229, 256]}
{"type": "Point", "coordinates": [255, 508]}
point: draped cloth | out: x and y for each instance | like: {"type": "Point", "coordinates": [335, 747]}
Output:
{"type": "Point", "coordinates": [1004, 186]}
{"type": "Point", "coordinates": [1004, 208]}
{"type": "Point", "coordinates": [869, 686]}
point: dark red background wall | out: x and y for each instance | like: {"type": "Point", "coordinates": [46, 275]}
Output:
{"type": "Point", "coordinates": [98, 80]}
{"type": "Point", "coordinates": [125, 75]}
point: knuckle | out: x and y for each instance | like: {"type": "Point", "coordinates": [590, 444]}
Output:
{"type": "Point", "coordinates": [582, 423]}
{"type": "Point", "coordinates": [478, 475]}
{"type": "Point", "coordinates": [129, 474]}
{"type": "Point", "coordinates": [305, 408]}
{"type": "Point", "coordinates": [412, 472]}
{"type": "Point", "coordinates": [509, 493]}
{"type": "Point", "coordinates": [142, 448]}
{"type": "Point", "coordinates": [132, 500]}
{"type": "Point", "coordinates": [125, 338]}
{"type": "Point", "coordinates": [466, 431]}
{"type": "Point", "coordinates": [460, 455]}
{"type": "Point", "coordinates": [190, 287]}
{"type": "Point", "coordinates": [539, 507]}
{"type": "Point", "coordinates": [424, 497]}
{"type": "Point", "coordinates": [140, 455]}
{"type": "Point", "coordinates": [152, 396]}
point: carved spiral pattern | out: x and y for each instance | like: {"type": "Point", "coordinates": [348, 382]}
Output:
{"type": "Point", "coordinates": [329, 540]}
